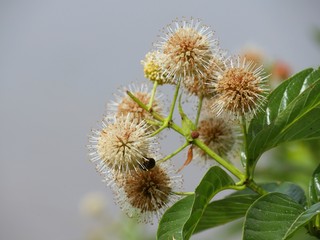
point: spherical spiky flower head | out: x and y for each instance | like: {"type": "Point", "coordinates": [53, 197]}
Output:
{"type": "Point", "coordinates": [199, 85]}
{"type": "Point", "coordinates": [187, 48]}
{"type": "Point", "coordinates": [240, 89]}
{"type": "Point", "coordinates": [218, 134]}
{"type": "Point", "coordinates": [124, 104]}
{"type": "Point", "coordinates": [152, 68]}
{"type": "Point", "coordinates": [144, 194]}
{"type": "Point", "coordinates": [121, 145]}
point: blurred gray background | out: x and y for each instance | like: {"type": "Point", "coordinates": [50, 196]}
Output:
{"type": "Point", "coordinates": [60, 63]}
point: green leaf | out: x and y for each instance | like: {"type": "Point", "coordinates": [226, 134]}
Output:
{"type": "Point", "coordinates": [314, 187]}
{"type": "Point", "coordinates": [182, 218]}
{"type": "Point", "coordinates": [271, 217]}
{"type": "Point", "coordinates": [213, 182]}
{"type": "Point", "coordinates": [235, 205]}
{"type": "Point", "coordinates": [171, 224]}
{"type": "Point", "coordinates": [292, 113]}
{"type": "Point", "coordinates": [279, 99]}
{"type": "Point", "coordinates": [302, 220]}
{"type": "Point", "coordinates": [225, 210]}
{"type": "Point", "coordinates": [276, 216]}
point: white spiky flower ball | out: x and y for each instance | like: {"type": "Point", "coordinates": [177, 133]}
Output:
{"type": "Point", "coordinates": [121, 144]}
{"type": "Point", "coordinates": [187, 47]}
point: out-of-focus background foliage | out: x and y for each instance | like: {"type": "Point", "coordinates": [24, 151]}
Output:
{"type": "Point", "coordinates": [60, 63]}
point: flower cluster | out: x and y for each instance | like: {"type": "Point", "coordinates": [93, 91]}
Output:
{"type": "Point", "coordinates": [188, 52]}
{"type": "Point", "coordinates": [124, 152]}
{"type": "Point", "coordinates": [125, 148]}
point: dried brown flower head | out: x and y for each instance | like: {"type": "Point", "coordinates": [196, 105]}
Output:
{"type": "Point", "coordinates": [220, 135]}
{"type": "Point", "coordinates": [143, 194]}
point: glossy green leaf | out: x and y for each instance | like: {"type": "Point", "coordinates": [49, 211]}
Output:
{"type": "Point", "coordinates": [213, 182]}
{"type": "Point", "coordinates": [235, 205]}
{"type": "Point", "coordinates": [171, 224]}
{"type": "Point", "coordinates": [302, 220]}
{"type": "Point", "coordinates": [291, 113]}
{"type": "Point", "coordinates": [271, 217]}
{"type": "Point", "coordinates": [279, 99]}
{"type": "Point", "coordinates": [276, 216]}
{"type": "Point", "coordinates": [181, 219]}
{"type": "Point", "coordinates": [225, 210]}
{"type": "Point", "coordinates": [314, 187]}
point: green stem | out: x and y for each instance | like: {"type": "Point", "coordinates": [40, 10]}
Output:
{"type": "Point", "coordinates": [153, 93]}
{"type": "Point", "coordinates": [156, 115]}
{"type": "Point", "coordinates": [167, 121]}
{"type": "Point", "coordinates": [183, 193]}
{"type": "Point", "coordinates": [255, 187]}
{"type": "Point", "coordinates": [174, 153]}
{"type": "Point", "coordinates": [154, 123]}
{"type": "Point", "coordinates": [175, 96]}
{"type": "Point", "coordinates": [219, 159]}
{"type": "Point", "coordinates": [245, 145]}
{"type": "Point", "coordinates": [199, 110]}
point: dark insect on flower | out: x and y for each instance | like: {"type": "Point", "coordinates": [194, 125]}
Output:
{"type": "Point", "coordinates": [148, 164]}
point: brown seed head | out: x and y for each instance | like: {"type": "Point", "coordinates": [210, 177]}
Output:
{"type": "Point", "coordinates": [148, 191]}
{"type": "Point", "coordinates": [218, 134]}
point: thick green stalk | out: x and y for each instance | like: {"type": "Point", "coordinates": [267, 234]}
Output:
{"type": "Point", "coordinates": [219, 159]}
{"type": "Point", "coordinates": [184, 193]}
{"type": "Point", "coordinates": [255, 187]}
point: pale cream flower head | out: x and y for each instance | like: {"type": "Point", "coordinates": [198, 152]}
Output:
{"type": "Point", "coordinates": [187, 48]}
{"type": "Point", "coordinates": [122, 144]}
